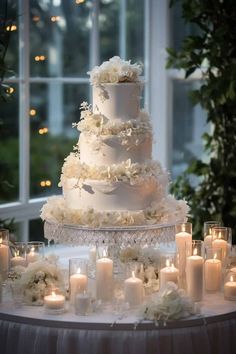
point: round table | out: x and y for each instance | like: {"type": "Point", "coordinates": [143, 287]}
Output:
{"type": "Point", "coordinates": [29, 330]}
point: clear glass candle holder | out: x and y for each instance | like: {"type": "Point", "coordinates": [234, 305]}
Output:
{"type": "Point", "coordinates": [17, 290]}
{"type": "Point", "coordinates": [78, 277]}
{"type": "Point", "coordinates": [54, 301]}
{"type": "Point", "coordinates": [18, 254]}
{"type": "Point", "coordinates": [220, 237]}
{"type": "Point", "coordinates": [194, 270]}
{"type": "Point", "coordinates": [213, 269]}
{"type": "Point", "coordinates": [230, 286]}
{"type": "Point", "coordinates": [82, 303]}
{"type": "Point", "coordinates": [183, 227]}
{"type": "Point", "coordinates": [34, 251]}
{"type": "Point", "coordinates": [168, 269]}
{"type": "Point", "coordinates": [207, 232]}
{"type": "Point", "coordinates": [4, 253]}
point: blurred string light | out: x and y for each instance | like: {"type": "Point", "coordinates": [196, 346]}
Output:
{"type": "Point", "coordinates": [10, 90]}
{"type": "Point", "coordinates": [78, 2]}
{"type": "Point", "coordinates": [43, 131]}
{"type": "Point", "coordinates": [33, 112]}
{"type": "Point", "coordinates": [55, 18]}
{"type": "Point", "coordinates": [39, 58]}
{"type": "Point", "coordinates": [11, 28]}
{"type": "Point", "coordinates": [46, 183]}
{"type": "Point", "coordinates": [36, 18]}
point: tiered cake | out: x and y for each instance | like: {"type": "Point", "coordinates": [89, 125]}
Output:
{"type": "Point", "coordinates": [110, 179]}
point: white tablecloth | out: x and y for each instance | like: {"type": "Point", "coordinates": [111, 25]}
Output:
{"type": "Point", "coordinates": [30, 330]}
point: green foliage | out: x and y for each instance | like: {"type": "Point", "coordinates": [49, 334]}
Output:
{"type": "Point", "coordinates": [213, 52]}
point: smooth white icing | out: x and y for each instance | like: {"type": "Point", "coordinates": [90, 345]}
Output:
{"type": "Point", "coordinates": [117, 101]}
{"type": "Point", "coordinates": [104, 196]}
{"type": "Point", "coordinates": [108, 150]}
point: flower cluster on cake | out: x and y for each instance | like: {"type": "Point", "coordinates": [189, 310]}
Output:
{"type": "Point", "coordinates": [110, 178]}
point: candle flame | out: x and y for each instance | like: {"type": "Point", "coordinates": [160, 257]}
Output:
{"type": "Point", "coordinates": [183, 228]}
{"type": "Point", "coordinates": [215, 256]}
{"type": "Point", "coordinates": [104, 254]}
{"type": "Point", "coordinates": [195, 251]}
{"type": "Point", "coordinates": [219, 236]}
{"type": "Point", "coordinates": [172, 265]}
{"type": "Point", "coordinates": [0, 240]}
{"type": "Point", "coordinates": [32, 250]}
{"type": "Point", "coordinates": [78, 271]}
{"type": "Point", "coordinates": [231, 278]}
{"type": "Point", "coordinates": [167, 263]}
{"type": "Point", "coordinates": [17, 253]}
{"type": "Point", "coordinates": [53, 293]}
{"type": "Point", "coordinates": [133, 275]}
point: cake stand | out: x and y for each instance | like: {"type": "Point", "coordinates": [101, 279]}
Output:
{"type": "Point", "coordinates": [122, 235]}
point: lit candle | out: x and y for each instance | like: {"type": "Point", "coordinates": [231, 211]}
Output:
{"type": "Point", "coordinates": [104, 279]}
{"type": "Point", "coordinates": [82, 302]}
{"type": "Point", "coordinates": [213, 269]}
{"type": "Point", "coordinates": [230, 289]}
{"type": "Point", "coordinates": [32, 256]}
{"type": "Point", "coordinates": [18, 260]}
{"type": "Point", "coordinates": [169, 273]}
{"type": "Point", "coordinates": [194, 276]}
{"type": "Point", "coordinates": [183, 241]}
{"type": "Point", "coordinates": [78, 284]}
{"type": "Point", "coordinates": [4, 259]}
{"type": "Point", "coordinates": [208, 239]}
{"type": "Point", "coordinates": [54, 301]}
{"type": "Point", "coordinates": [220, 243]}
{"type": "Point", "coordinates": [133, 289]}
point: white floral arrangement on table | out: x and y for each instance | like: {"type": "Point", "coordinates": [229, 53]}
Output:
{"type": "Point", "coordinates": [147, 259]}
{"type": "Point", "coordinates": [37, 279]}
{"type": "Point", "coordinates": [170, 304]}
{"type": "Point", "coordinates": [115, 70]}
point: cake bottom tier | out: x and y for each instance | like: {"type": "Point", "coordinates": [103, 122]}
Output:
{"type": "Point", "coordinates": [167, 210]}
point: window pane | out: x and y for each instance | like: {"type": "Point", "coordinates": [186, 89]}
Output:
{"type": "Point", "coordinates": [36, 232]}
{"type": "Point", "coordinates": [135, 30]}
{"type": "Point", "coordinates": [9, 147]}
{"type": "Point", "coordinates": [109, 29]}
{"type": "Point", "coordinates": [189, 123]}
{"type": "Point", "coordinates": [59, 38]}
{"type": "Point", "coordinates": [55, 107]}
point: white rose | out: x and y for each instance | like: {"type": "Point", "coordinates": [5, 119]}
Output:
{"type": "Point", "coordinates": [113, 77]}
{"type": "Point", "coordinates": [104, 77]}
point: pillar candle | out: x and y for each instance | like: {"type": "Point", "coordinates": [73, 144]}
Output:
{"type": "Point", "coordinates": [104, 279]}
{"type": "Point", "coordinates": [183, 241]}
{"type": "Point", "coordinates": [133, 289]}
{"type": "Point", "coordinates": [230, 289]}
{"type": "Point", "coordinates": [54, 301]}
{"type": "Point", "coordinates": [213, 269]}
{"type": "Point", "coordinates": [4, 260]}
{"type": "Point", "coordinates": [194, 277]}
{"type": "Point", "coordinates": [169, 273]}
{"type": "Point", "coordinates": [78, 284]}
{"type": "Point", "coordinates": [32, 256]}
{"type": "Point", "coordinates": [220, 243]}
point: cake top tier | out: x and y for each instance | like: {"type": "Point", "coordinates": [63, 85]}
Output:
{"type": "Point", "coordinates": [114, 71]}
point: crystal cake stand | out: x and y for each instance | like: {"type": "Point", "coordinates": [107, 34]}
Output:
{"type": "Point", "coordinates": [129, 235]}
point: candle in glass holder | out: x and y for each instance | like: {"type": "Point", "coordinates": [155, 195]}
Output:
{"type": "Point", "coordinates": [133, 289]}
{"type": "Point", "coordinates": [194, 276]}
{"type": "Point", "coordinates": [32, 256]}
{"type": "Point", "coordinates": [213, 274]}
{"type": "Point", "coordinates": [54, 301]}
{"type": "Point", "coordinates": [219, 240]}
{"type": "Point", "coordinates": [82, 303]}
{"type": "Point", "coordinates": [230, 288]}
{"type": "Point", "coordinates": [17, 260]}
{"type": "Point", "coordinates": [208, 226]}
{"type": "Point", "coordinates": [168, 273]}
{"type": "Point", "coordinates": [4, 258]}
{"type": "Point", "coordinates": [104, 279]}
{"type": "Point", "coordinates": [78, 284]}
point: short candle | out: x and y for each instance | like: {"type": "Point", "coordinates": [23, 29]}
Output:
{"type": "Point", "coordinates": [54, 301]}
{"type": "Point", "coordinates": [213, 269]}
{"type": "Point", "coordinates": [32, 256]}
{"type": "Point", "coordinates": [18, 260]}
{"type": "Point", "coordinates": [78, 284]}
{"type": "Point", "coordinates": [133, 289]}
{"type": "Point", "coordinates": [169, 273]}
{"type": "Point", "coordinates": [230, 289]}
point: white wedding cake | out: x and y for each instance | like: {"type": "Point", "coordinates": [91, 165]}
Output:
{"type": "Point", "coordinates": [110, 179]}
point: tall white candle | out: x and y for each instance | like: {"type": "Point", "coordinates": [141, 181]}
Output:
{"type": "Point", "coordinates": [54, 301]}
{"type": "Point", "coordinates": [104, 279]}
{"type": "Point", "coordinates": [183, 243]}
{"type": "Point", "coordinates": [194, 277]}
{"type": "Point", "coordinates": [230, 289]}
{"type": "Point", "coordinates": [220, 243]}
{"type": "Point", "coordinates": [213, 271]}
{"type": "Point", "coordinates": [4, 260]}
{"type": "Point", "coordinates": [169, 273]}
{"type": "Point", "coordinates": [133, 289]}
{"type": "Point", "coordinates": [78, 284]}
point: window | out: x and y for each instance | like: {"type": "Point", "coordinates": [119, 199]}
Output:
{"type": "Point", "coordinates": [53, 44]}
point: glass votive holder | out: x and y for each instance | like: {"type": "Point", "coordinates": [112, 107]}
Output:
{"type": "Point", "coordinates": [17, 290]}
{"type": "Point", "coordinates": [207, 232]}
{"type": "Point", "coordinates": [230, 286]}
{"type": "Point", "coordinates": [168, 271]}
{"type": "Point", "coordinates": [194, 270]}
{"type": "Point", "coordinates": [213, 269]}
{"type": "Point", "coordinates": [4, 253]}
{"type": "Point", "coordinates": [78, 277]}
{"type": "Point", "coordinates": [82, 303]}
{"type": "Point", "coordinates": [34, 251]}
{"type": "Point", "coordinates": [220, 237]}
{"type": "Point", "coordinates": [18, 254]}
{"type": "Point", "coordinates": [54, 301]}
